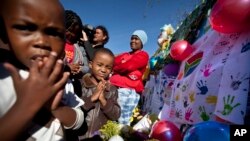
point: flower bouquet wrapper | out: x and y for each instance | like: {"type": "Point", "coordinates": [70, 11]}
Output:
{"type": "Point", "coordinates": [144, 125]}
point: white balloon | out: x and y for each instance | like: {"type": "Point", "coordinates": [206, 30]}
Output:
{"type": "Point", "coordinates": [116, 138]}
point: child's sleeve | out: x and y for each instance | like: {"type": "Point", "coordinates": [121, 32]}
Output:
{"type": "Point", "coordinates": [72, 100]}
{"type": "Point", "coordinates": [112, 109]}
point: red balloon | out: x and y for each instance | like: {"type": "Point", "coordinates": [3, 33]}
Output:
{"type": "Point", "coordinates": [165, 131]}
{"type": "Point", "coordinates": [230, 16]}
{"type": "Point", "coordinates": [180, 50]}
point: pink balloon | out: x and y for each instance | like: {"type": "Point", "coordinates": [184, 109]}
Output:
{"type": "Point", "coordinates": [180, 50]}
{"type": "Point", "coordinates": [230, 16]}
{"type": "Point", "coordinates": [165, 131]}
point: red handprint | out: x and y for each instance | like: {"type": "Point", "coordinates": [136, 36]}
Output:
{"type": "Point", "coordinates": [207, 70]}
{"type": "Point", "coordinates": [188, 114]}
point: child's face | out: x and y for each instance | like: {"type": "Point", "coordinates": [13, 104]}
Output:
{"type": "Point", "coordinates": [101, 65]}
{"type": "Point", "coordinates": [31, 29]}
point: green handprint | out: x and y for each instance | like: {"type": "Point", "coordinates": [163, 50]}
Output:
{"type": "Point", "coordinates": [203, 114]}
{"type": "Point", "coordinates": [228, 105]}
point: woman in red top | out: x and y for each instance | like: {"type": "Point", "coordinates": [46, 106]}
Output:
{"type": "Point", "coordinates": [128, 70]}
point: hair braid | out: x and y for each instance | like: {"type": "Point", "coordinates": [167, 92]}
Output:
{"type": "Point", "coordinates": [72, 18]}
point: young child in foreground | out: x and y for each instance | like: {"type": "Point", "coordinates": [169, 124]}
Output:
{"type": "Point", "coordinates": [99, 95]}
{"type": "Point", "coordinates": [33, 103]}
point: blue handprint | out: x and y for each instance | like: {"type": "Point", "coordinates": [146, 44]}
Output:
{"type": "Point", "coordinates": [202, 87]}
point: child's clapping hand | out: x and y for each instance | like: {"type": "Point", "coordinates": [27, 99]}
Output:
{"type": "Point", "coordinates": [100, 88]}
{"type": "Point", "coordinates": [43, 83]}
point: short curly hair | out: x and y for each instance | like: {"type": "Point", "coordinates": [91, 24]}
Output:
{"type": "Point", "coordinates": [105, 51]}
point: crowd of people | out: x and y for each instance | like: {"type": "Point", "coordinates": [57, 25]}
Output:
{"type": "Point", "coordinates": [54, 79]}
{"type": "Point", "coordinates": [58, 84]}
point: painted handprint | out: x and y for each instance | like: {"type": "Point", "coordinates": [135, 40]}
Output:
{"type": "Point", "coordinates": [236, 82]}
{"type": "Point", "coordinates": [188, 114]}
{"type": "Point", "coordinates": [202, 87]}
{"type": "Point", "coordinates": [234, 36]}
{"type": "Point", "coordinates": [211, 99]}
{"type": "Point", "coordinates": [178, 113]}
{"type": "Point", "coordinates": [185, 101]}
{"type": "Point", "coordinates": [177, 97]}
{"type": "Point", "coordinates": [191, 96]}
{"type": "Point", "coordinates": [207, 70]}
{"type": "Point", "coordinates": [182, 87]}
{"type": "Point", "coordinates": [228, 105]}
{"type": "Point", "coordinates": [172, 103]}
{"type": "Point", "coordinates": [203, 114]}
{"type": "Point", "coordinates": [172, 113]}
{"type": "Point", "coordinates": [246, 47]}
{"type": "Point", "coordinates": [224, 60]}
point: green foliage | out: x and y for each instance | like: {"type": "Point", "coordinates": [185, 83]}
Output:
{"type": "Point", "coordinates": [110, 129]}
{"type": "Point", "coordinates": [190, 25]}
{"type": "Point", "coordinates": [126, 132]}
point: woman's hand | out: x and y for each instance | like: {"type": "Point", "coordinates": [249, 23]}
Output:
{"type": "Point", "coordinates": [84, 36]}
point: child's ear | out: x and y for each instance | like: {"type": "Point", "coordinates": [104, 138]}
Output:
{"type": "Point", "coordinates": [105, 37]}
{"type": "Point", "coordinates": [90, 64]}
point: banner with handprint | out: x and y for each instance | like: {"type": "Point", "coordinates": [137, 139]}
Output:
{"type": "Point", "coordinates": [214, 80]}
